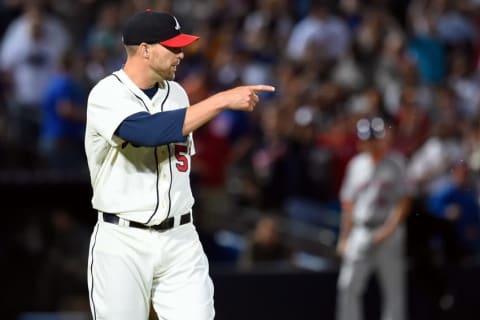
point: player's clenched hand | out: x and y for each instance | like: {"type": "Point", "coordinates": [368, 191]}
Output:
{"type": "Point", "coordinates": [244, 97]}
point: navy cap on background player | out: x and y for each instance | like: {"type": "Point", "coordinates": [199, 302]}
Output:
{"type": "Point", "coordinates": [155, 27]}
{"type": "Point", "coordinates": [371, 128]}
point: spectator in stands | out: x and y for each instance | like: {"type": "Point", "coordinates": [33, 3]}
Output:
{"type": "Point", "coordinates": [305, 171]}
{"type": "Point", "coordinates": [387, 71]}
{"type": "Point", "coordinates": [445, 107]}
{"type": "Point", "coordinates": [431, 161]}
{"type": "Point", "coordinates": [412, 122]}
{"type": "Point", "coordinates": [373, 38]}
{"type": "Point", "coordinates": [266, 246]}
{"type": "Point", "coordinates": [267, 28]}
{"type": "Point", "coordinates": [64, 113]}
{"type": "Point", "coordinates": [424, 45]}
{"type": "Point", "coordinates": [465, 83]}
{"type": "Point", "coordinates": [452, 25]}
{"type": "Point", "coordinates": [456, 201]}
{"type": "Point", "coordinates": [29, 53]}
{"type": "Point", "coordinates": [104, 50]}
{"type": "Point", "coordinates": [321, 30]}
{"type": "Point", "coordinates": [266, 151]}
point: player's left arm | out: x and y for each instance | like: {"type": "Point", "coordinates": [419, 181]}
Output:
{"type": "Point", "coordinates": [398, 216]}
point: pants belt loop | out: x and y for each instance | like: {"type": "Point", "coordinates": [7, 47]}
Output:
{"type": "Point", "coordinates": [122, 222]}
{"type": "Point", "coordinates": [185, 218]}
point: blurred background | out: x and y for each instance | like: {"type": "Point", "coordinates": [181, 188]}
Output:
{"type": "Point", "coordinates": [266, 183]}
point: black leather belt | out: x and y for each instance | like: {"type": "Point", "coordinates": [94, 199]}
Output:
{"type": "Point", "coordinates": [372, 224]}
{"type": "Point", "coordinates": [166, 224]}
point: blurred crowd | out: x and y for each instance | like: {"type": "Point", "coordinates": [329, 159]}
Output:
{"type": "Point", "coordinates": [415, 63]}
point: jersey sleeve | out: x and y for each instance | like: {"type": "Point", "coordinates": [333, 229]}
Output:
{"type": "Point", "coordinates": [108, 106]}
{"type": "Point", "coordinates": [347, 188]}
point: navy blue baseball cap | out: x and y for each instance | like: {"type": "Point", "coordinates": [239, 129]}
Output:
{"type": "Point", "coordinates": [368, 129]}
{"type": "Point", "coordinates": [155, 27]}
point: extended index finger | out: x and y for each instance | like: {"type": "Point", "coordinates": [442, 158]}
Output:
{"type": "Point", "coordinates": [262, 87]}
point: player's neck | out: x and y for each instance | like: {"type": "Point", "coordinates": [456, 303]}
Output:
{"type": "Point", "coordinates": [377, 156]}
{"type": "Point", "coordinates": [139, 76]}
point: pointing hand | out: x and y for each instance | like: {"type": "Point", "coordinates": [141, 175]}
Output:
{"type": "Point", "coordinates": [244, 97]}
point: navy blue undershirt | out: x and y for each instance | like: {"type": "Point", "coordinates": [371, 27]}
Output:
{"type": "Point", "coordinates": [150, 130]}
{"type": "Point", "coordinates": [151, 92]}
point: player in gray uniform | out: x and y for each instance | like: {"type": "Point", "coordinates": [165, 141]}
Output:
{"type": "Point", "coordinates": [144, 250]}
{"type": "Point", "coordinates": [375, 202]}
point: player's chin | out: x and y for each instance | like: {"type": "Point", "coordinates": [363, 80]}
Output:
{"type": "Point", "coordinates": [170, 76]}
{"type": "Point", "coordinates": [166, 74]}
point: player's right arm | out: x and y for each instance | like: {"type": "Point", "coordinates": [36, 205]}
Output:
{"type": "Point", "coordinates": [242, 98]}
{"type": "Point", "coordinates": [347, 201]}
{"type": "Point", "coordinates": [144, 129]}
{"type": "Point", "coordinates": [346, 224]}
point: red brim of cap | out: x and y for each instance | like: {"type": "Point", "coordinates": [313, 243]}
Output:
{"type": "Point", "coordinates": [179, 41]}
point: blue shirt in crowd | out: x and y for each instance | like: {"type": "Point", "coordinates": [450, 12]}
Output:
{"type": "Point", "coordinates": [62, 88]}
{"type": "Point", "coordinates": [469, 220]}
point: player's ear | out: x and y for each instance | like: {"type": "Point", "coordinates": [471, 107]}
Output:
{"type": "Point", "coordinates": [144, 48]}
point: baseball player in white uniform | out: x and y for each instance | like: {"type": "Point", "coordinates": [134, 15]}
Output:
{"type": "Point", "coordinates": [375, 201]}
{"type": "Point", "coordinates": [144, 248]}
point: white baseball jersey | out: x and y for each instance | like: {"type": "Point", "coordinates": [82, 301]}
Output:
{"type": "Point", "coordinates": [156, 179]}
{"type": "Point", "coordinates": [374, 188]}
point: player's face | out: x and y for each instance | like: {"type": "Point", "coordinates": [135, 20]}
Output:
{"type": "Point", "coordinates": [378, 146]}
{"type": "Point", "coordinates": [164, 61]}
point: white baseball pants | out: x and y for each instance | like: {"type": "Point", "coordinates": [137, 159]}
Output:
{"type": "Point", "coordinates": [129, 268]}
{"type": "Point", "coordinates": [387, 259]}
